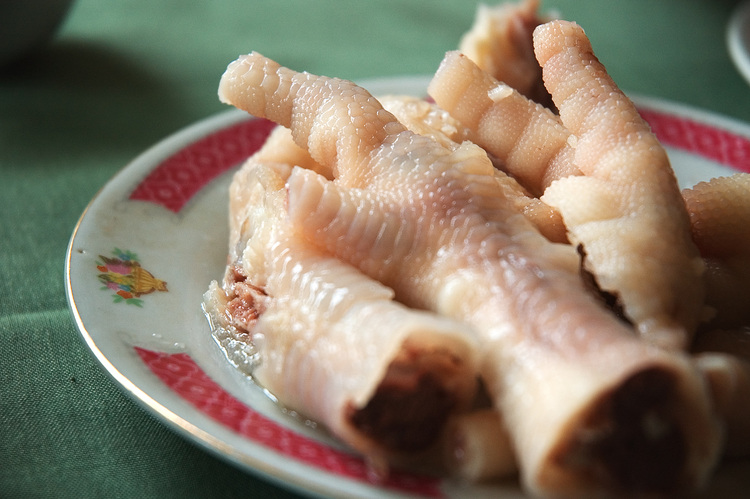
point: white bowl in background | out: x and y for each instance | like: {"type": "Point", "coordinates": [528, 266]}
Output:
{"type": "Point", "coordinates": [738, 39]}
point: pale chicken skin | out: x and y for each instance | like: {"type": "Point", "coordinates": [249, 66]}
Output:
{"type": "Point", "coordinates": [328, 341]}
{"type": "Point", "coordinates": [425, 118]}
{"type": "Point", "coordinates": [720, 216]}
{"type": "Point", "coordinates": [428, 119]}
{"type": "Point", "coordinates": [576, 388]}
{"type": "Point", "coordinates": [528, 140]}
{"type": "Point", "coordinates": [478, 447]}
{"type": "Point", "coordinates": [600, 168]}
{"type": "Point", "coordinates": [500, 42]}
{"type": "Point", "coordinates": [626, 210]}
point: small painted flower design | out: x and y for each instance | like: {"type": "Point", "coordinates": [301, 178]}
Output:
{"type": "Point", "coordinates": [123, 274]}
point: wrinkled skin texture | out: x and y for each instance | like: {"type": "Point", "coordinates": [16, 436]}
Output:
{"type": "Point", "coordinates": [330, 340]}
{"type": "Point", "coordinates": [427, 119]}
{"type": "Point", "coordinates": [599, 168]}
{"type": "Point", "coordinates": [500, 42]}
{"type": "Point", "coordinates": [720, 216]}
{"type": "Point", "coordinates": [432, 223]}
{"type": "Point", "coordinates": [528, 141]}
{"type": "Point", "coordinates": [626, 209]}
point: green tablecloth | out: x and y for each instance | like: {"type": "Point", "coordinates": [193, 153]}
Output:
{"type": "Point", "coordinates": [122, 75]}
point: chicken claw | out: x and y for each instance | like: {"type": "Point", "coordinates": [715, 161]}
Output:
{"type": "Point", "coordinates": [576, 389]}
{"type": "Point", "coordinates": [626, 210]}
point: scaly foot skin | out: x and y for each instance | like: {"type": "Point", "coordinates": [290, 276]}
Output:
{"type": "Point", "coordinates": [528, 140]}
{"type": "Point", "coordinates": [626, 210]}
{"type": "Point", "coordinates": [330, 342]}
{"type": "Point", "coordinates": [720, 214]}
{"type": "Point", "coordinates": [500, 42]}
{"type": "Point", "coordinates": [428, 119]}
{"type": "Point", "coordinates": [434, 224]}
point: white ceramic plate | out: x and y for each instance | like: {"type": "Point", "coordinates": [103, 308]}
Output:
{"type": "Point", "coordinates": [149, 243]}
{"type": "Point", "coordinates": [738, 39]}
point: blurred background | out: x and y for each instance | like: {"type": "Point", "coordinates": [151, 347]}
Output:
{"type": "Point", "coordinates": [113, 78]}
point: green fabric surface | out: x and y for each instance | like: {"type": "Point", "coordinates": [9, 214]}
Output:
{"type": "Point", "coordinates": [120, 76]}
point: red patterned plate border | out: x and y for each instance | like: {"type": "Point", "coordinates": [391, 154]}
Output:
{"type": "Point", "coordinates": [180, 373]}
{"type": "Point", "coordinates": [188, 169]}
{"type": "Point", "coordinates": [179, 177]}
{"type": "Point", "coordinates": [183, 174]}
{"type": "Point", "coordinates": [699, 138]}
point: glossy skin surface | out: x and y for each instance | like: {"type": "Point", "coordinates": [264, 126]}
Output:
{"type": "Point", "coordinates": [626, 209]}
{"type": "Point", "coordinates": [330, 340]}
{"type": "Point", "coordinates": [433, 224]}
{"type": "Point", "coordinates": [719, 215]}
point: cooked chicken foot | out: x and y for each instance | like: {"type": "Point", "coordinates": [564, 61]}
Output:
{"type": "Point", "coordinates": [720, 216]}
{"type": "Point", "coordinates": [528, 140]}
{"type": "Point", "coordinates": [626, 210]}
{"type": "Point", "coordinates": [573, 383]}
{"type": "Point", "coordinates": [331, 343]}
{"type": "Point", "coordinates": [500, 42]}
